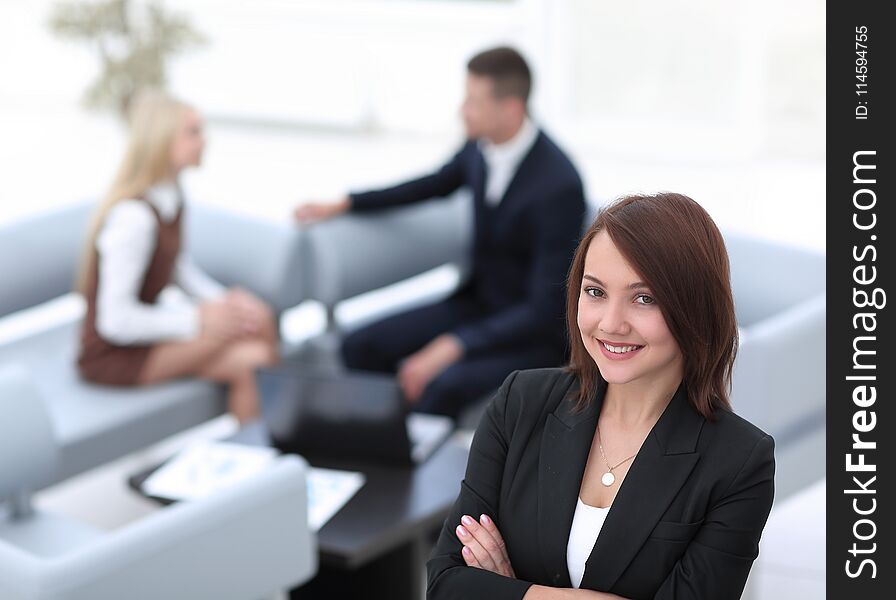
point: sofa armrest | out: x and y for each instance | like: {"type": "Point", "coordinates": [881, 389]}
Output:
{"type": "Point", "coordinates": [779, 379]}
{"type": "Point", "coordinates": [779, 385]}
{"type": "Point", "coordinates": [262, 255]}
{"type": "Point", "coordinates": [357, 253]}
{"type": "Point", "coordinates": [243, 542]}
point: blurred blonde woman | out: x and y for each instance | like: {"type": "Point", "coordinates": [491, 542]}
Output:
{"type": "Point", "coordinates": [131, 335]}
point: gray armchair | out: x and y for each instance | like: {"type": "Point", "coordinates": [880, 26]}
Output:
{"type": "Point", "coordinates": [347, 256]}
{"type": "Point", "coordinates": [779, 374]}
{"type": "Point", "coordinates": [243, 543]}
{"type": "Point", "coordinates": [94, 424]}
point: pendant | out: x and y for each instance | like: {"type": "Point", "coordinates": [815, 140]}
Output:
{"type": "Point", "coordinates": [607, 479]}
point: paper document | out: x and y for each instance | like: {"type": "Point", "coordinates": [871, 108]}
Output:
{"type": "Point", "coordinates": [328, 491]}
{"type": "Point", "coordinates": [207, 467]}
{"type": "Point", "coordinates": [204, 468]}
{"type": "Point", "coordinates": [426, 432]}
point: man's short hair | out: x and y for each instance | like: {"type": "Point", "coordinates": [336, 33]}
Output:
{"type": "Point", "coordinates": [506, 68]}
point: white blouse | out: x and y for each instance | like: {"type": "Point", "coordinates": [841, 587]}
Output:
{"type": "Point", "coordinates": [125, 244]}
{"type": "Point", "coordinates": [503, 160]}
{"type": "Point", "coordinates": [586, 526]}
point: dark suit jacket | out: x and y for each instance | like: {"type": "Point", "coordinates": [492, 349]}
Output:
{"type": "Point", "coordinates": [521, 249]}
{"type": "Point", "coordinates": [685, 523]}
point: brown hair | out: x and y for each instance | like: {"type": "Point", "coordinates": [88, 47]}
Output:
{"type": "Point", "coordinates": [678, 251]}
{"type": "Point", "coordinates": [506, 68]}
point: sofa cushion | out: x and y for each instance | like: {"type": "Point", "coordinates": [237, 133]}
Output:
{"type": "Point", "coordinates": [39, 256]}
{"type": "Point", "coordinates": [768, 277]}
{"type": "Point", "coordinates": [262, 255]}
{"type": "Point", "coordinates": [357, 253]}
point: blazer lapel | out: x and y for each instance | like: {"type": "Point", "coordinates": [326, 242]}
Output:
{"type": "Point", "coordinates": [477, 185]}
{"type": "Point", "coordinates": [477, 178]}
{"type": "Point", "coordinates": [565, 444]}
{"type": "Point", "coordinates": [661, 467]}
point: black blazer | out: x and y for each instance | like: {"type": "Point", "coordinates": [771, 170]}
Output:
{"type": "Point", "coordinates": [685, 523]}
{"type": "Point", "coordinates": [521, 249]}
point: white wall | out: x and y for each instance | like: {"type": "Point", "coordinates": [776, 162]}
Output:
{"type": "Point", "coordinates": [720, 100]}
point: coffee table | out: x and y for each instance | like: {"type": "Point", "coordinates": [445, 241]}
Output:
{"type": "Point", "coordinates": [376, 546]}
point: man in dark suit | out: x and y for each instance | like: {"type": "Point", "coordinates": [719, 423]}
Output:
{"type": "Point", "coordinates": [529, 205]}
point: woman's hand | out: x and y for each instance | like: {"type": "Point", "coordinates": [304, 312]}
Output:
{"type": "Point", "coordinates": [484, 548]}
{"type": "Point", "coordinates": [219, 320]}
{"type": "Point", "coordinates": [541, 592]}
{"type": "Point", "coordinates": [483, 545]}
{"type": "Point", "coordinates": [252, 312]}
{"type": "Point", "coordinates": [238, 313]}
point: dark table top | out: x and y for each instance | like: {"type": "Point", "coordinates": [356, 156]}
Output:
{"type": "Point", "coordinates": [393, 507]}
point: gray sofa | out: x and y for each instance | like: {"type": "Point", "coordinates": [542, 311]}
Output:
{"type": "Point", "coordinates": [246, 542]}
{"type": "Point", "coordinates": [95, 424]}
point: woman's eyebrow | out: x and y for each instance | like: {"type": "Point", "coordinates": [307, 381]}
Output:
{"type": "Point", "coordinates": [631, 286]}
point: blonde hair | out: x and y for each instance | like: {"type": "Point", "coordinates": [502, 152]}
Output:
{"type": "Point", "coordinates": [153, 119]}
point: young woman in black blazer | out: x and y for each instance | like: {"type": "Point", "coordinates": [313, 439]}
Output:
{"type": "Point", "coordinates": [624, 474]}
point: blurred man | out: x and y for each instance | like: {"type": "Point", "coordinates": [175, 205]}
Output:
{"type": "Point", "coordinates": [529, 204]}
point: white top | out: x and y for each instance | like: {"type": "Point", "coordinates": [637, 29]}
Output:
{"type": "Point", "coordinates": [502, 160]}
{"type": "Point", "coordinates": [586, 526]}
{"type": "Point", "coordinates": [125, 245]}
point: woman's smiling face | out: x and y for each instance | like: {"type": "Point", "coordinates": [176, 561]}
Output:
{"type": "Point", "coordinates": [616, 309]}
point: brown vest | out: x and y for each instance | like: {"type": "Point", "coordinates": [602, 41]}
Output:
{"type": "Point", "coordinates": [101, 361]}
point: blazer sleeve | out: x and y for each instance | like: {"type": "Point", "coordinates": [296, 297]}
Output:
{"type": "Point", "coordinates": [717, 561]}
{"type": "Point", "coordinates": [559, 222]}
{"type": "Point", "coordinates": [448, 576]}
{"type": "Point", "coordinates": [441, 183]}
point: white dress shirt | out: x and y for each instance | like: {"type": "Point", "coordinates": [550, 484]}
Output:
{"type": "Point", "coordinates": [586, 526]}
{"type": "Point", "coordinates": [503, 160]}
{"type": "Point", "coordinates": [125, 245]}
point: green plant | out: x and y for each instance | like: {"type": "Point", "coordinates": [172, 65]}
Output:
{"type": "Point", "coordinates": [133, 39]}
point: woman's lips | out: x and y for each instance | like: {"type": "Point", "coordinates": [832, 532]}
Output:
{"type": "Point", "coordinates": [616, 355]}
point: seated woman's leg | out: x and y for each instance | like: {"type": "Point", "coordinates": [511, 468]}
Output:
{"type": "Point", "coordinates": [270, 331]}
{"type": "Point", "coordinates": [173, 360]}
{"type": "Point", "coordinates": [236, 367]}
{"type": "Point", "coordinates": [232, 362]}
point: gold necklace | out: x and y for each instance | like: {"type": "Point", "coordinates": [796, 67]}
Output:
{"type": "Point", "coordinates": [608, 478]}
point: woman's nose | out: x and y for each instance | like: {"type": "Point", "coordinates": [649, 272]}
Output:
{"type": "Point", "coordinates": [613, 319]}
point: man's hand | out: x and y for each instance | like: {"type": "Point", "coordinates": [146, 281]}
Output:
{"type": "Point", "coordinates": [426, 364]}
{"type": "Point", "coordinates": [311, 212]}
{"type": "Point", "coordinates": [484, 547]}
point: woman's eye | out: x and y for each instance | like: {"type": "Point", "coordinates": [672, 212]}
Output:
{"type": "Point", "coordinates": [591, 291]}
{"type": "Point", "coordinates": [648, 299]}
